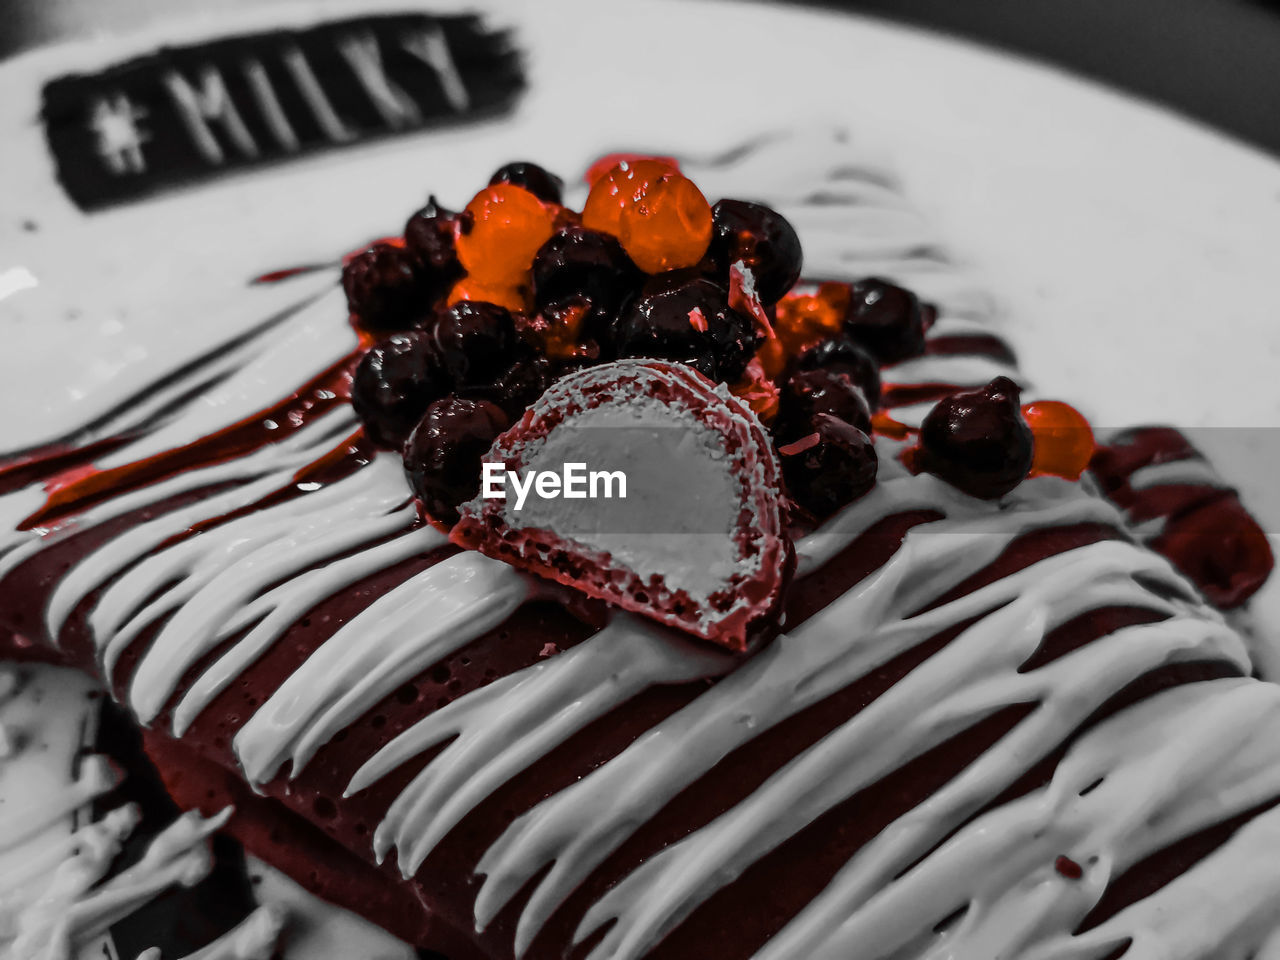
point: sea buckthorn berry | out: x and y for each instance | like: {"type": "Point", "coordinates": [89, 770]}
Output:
{"type": "Point", "coordinates": [758, 391]}
{"type": "Point", "coordinates": [383, 288]}
{"type": "Point", "coordinates": [839, 354]}
{"type": "Point", "coordinates": [476, 340]}
{"type": "Point", "coordinates": [620, 187]}
{"type": "Point", "coordinates": [508, 225]}
{"type": "Point", "coordinates": [667, 228]}
{"type": "Point", "coordinates": [977, 441]}
{"type": "Point", "coordinates": [610, 160]}
{"type": "Point", "coordinates": [442, 456]}
{"type": "Point", "coordinates": [394, 384]}
{"type": "Point", "coordinates": [810, 392]}
{"type": "Point", "coordinates": [690, 322]}
{"type": "Point", "coordinates": [762, 239]}
{"type": "Point", "coordinates": [830, 466]}
{"type": "Point", "coordinates": [578, 263]}
{"type": "Point", "coordinates": [544, 185]}
{"type": "Point", "coordinates": [1063, 439]}
{"type": "Point", "coordinates": [773, 358]}
{"type": "Point", "coordinates": [431, 234]}
{"type": "Point", "coordinates": [885, 319]}
{"type": "Point", "coordinates": [806, 316]}
{"type": "Point", "coordinates": [514, 297]}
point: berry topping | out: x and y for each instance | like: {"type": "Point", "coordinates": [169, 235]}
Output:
{"type": "Point", "coordinates": [667, 228]}
{"type": "Point", "coordinates": [839, 354]}
{"type": "Point", "coordinates": [758, 391]}
{"type": "Point", "coordinates": [759, 237]}
{"type": "Point", "coordinates": [610, 160]}
{"type": "Point", "coordinates": [691, 322]}
{"type": "Point", "coordinates": [830, 466]}
{"type": "Point", "coordinates": [806, 316]}
{"type": "Point", "coordinates": [977, 440]}
{"type": "Point", "coordinates": [442, 456]}
{"type": "Point", "coordinates": [546, 186]}
{"type": "Point", "coordinates": [885, 319]}
{"type": "Point", "coordinates": [808, 393]}
{"type": "Point", "coordinates": [1063, 439]}
{"type": "Point", "coordinates": [395, 383]}
{"type": "Point", "coordinates": [620, 187]}
{"type": "Point", "coordinates": [521, 384]}
{"type": "Point", "coordinates": [514, 297]}
{"type": "Point", "coordinates": [477, 340]}
{"type": "Point", "coordinates": [431, 234]}
{"type": "Point", "coordinates": [508, 225]}
{"type": "Point", "coordinates": [382, 287]}
{"type": "Point", "coordinates": [586, 264]}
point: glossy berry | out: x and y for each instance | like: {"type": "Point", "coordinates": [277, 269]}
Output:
{"type": "Point", "coordinates": [830, 466]}
{"type": "Point", "coordinates": [517, 387]}
{"type": "Point", "coordinates": [669, 227]}
{"type": "Point", "coordinates": [442, 456]}
{"type": "Point", "coordinates": [395, 383]}
{"type": "Point", "coordinates": [804, 317]}
{"type": "Point", "coordinates": [546, 186]}
{"type": "Point", "coordinates": [587, 264]}
{"type": "Point", "coordinates": [514, 298]}
{"type": "Point", "coordinates": [760, 237]}
{"type": "Point", "coordinates": [606, 163]}
{"type": "Point", "coordinates": [507, 226]}
{"type": "Point", "coordinates": [690, 322]}
{"type": "Point", "coordinates": [477, 340]}
{"type": "Point", "coordinates": [808, 393]}
{"type": "Point", "coordinates": [1063, 439]}
{"type": "Point", "coordinates": [885, 319]}
{"type": "Point", "coordinates": [431, 234]}
{"type": "Point", "coordinates": [839, 354]}
{"type": "Point", "coordinates": [382, 287]}
{"type": "Point", "coordinates": [977, 441]}
{"type": "Point", "coordinates": [620, 188]}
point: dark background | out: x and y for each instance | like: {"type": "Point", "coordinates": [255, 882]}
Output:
{"type": "Point", "coordinates": [1217, 61]}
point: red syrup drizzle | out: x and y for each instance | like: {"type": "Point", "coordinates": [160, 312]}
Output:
{"type": "Point", "coordinates": [276, 276]}
{"type": "Point", "coordinates": [84, 485]}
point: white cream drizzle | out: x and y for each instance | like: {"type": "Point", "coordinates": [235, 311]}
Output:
{"type": "Point", "coordinates": [1182, 759]}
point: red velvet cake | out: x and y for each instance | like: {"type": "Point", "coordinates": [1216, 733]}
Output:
{"type": "Point", "coordinates": [876, 657]}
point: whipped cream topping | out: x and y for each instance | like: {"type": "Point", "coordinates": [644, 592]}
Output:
{"type": "Point", "coordinates": [1182, 760]}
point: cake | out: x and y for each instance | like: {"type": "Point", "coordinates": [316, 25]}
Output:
{"type": "Point", "coordinates": [989, 703]}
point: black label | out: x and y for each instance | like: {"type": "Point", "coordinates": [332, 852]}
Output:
{"type": "Point", "coordinates": [185, 114]}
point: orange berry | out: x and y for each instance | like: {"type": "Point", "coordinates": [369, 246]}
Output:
{"type": "Point", "coordinates": [669, 227]}
{"type": "Point", "coordinates": [1063, 439]}
{"type": "Point", "coordinates": [610, 160]}
{"type": "Point", "coordinates": [514, 297]}
{"type": "Point", "coordinates": [804, 318]}
{"type": "Point", "coordinates": [773, 358]}
{"type": "Point", "coordinates": [758, 391]}
{"type": "Point", "coordinates": [508, 225]}
{"type": "Point", "coordinates": [623, 185]}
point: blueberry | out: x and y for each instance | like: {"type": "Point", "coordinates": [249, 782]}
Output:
{"type": "Point", "coordinates": [442, 456]}
{"type": "Point", "coordinates": [977, 440]}
{"type": "Point", "coordinates": [517, 387]}
{"type": "Point", "coordinates": [690, 322]}
{"type": "Point", "coordinates": [810, 392]}
{"type": "Point", "coordinates": [760, 236]}
{"type": "Point", "coordinates": [886, 319]}
{"type": "Point", "coordinates": [477, 340]}
{"type": "Point", "coordinates": [395, 383]}
{"type": "Point", "coordinates": [384, 288]}
{"type": "Point", "coordinates": [431, 235]}
{"type": "Point", "coordinates": [547, 187]}
{"type": "Point", "coordinates": [587, 265]}
{"type": "Point", "coordinates": [841, 355]}
{"type": "Point", "coordinates": [831, 465]}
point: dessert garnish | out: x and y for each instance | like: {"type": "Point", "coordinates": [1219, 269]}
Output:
{"type": "Point", "coordinates": [698, 542]}
{"type": "Point", "coordinates": [518, 319]}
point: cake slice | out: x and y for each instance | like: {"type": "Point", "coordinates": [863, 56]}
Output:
{"type": "Point", "coordinates": [993, 723]}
